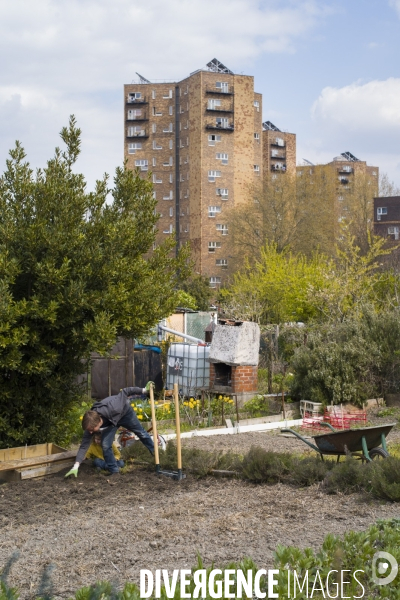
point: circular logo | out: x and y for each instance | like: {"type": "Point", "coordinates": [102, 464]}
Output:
{"type": "Point", "coordinates": [384, 568]}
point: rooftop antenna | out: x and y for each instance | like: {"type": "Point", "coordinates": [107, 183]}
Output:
{"type": "Point", "coordinates": [308, 162]}
{"type": "Point", "coordinates": [268, 126]}
{"type": "Point", "coordinates": [350, 156]}
{"type": "Point", "coordinates": [218, 67]}
{"type": "Point", "coordinates": [142, 79]}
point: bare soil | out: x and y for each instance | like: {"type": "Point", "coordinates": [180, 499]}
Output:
{"type": "Point", "coordinates": [97, 527]}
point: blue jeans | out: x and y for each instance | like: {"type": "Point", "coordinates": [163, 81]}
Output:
{"type": "Point", "coordinates": [101, 464]}
{"type": "Point", "coordinates": [130, 422]}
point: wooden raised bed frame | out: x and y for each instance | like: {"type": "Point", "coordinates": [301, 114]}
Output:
{"type": "Point", "coordinates": [27, 462]}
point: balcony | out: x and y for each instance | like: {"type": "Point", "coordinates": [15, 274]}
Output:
{"type": "Point", "coordinates": [211, 89]}
{"type": "Point", "coordinates": [220, 109]}
{"type": "Point", "coordinates": [343, 180]}
{"type": "Point", "coordinates": [279, 167]}
{"type": "Point", "coordinates": [141, 117]}
{"type": "Point", "coordinates": [228, 127]}
{"type": "Point", "coordinates": [280, 144]}
{"type": "Point", "coordinates": [143, 100]}
{"type": "Point", "coordinates": [142, 133]}
{"type": "Point", "coordinates": [279, 156]}
{"type": "Point", "coordinates": [346, 170]}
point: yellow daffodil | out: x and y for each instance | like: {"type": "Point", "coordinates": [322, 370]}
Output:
{"type": "Point", "coordinates": [140, 417]}
{"type": "Point", "coordinates": [81, 418]}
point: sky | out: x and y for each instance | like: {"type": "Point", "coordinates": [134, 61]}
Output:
{"type": "Point", "coordinates": [329, 70]}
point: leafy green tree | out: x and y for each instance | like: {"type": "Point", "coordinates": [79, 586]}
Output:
{"type": "Point", "coordinates": [198, 286]}
{"type": "Point", "coordinates": [77, 270]}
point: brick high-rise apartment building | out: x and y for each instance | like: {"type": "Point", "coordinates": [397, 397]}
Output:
{"type": "Point", "coordinates": [202, 139]}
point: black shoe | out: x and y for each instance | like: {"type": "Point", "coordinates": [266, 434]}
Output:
{"type": "Point", "coordinates": [115, 473]}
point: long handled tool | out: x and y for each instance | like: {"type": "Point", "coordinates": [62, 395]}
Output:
{"type": "Point", "coordinates": [178, 475]}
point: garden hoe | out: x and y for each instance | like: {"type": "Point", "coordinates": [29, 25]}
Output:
{"type": "Point", "coordinates": [178, 475]}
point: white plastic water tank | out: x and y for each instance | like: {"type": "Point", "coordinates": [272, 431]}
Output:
{"type": "Point", "coordinates": [188, 366]}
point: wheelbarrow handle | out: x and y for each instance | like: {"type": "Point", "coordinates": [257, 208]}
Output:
{"type": "Point", "coordinates": [302, 439]}
{"type": "Point", "coordinates": [328, 425]}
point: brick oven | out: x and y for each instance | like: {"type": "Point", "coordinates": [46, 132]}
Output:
{"type": "Point", "coordinates": [234, 358]}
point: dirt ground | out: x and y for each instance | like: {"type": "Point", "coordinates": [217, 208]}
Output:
{"type": "Point", "coordinates": [94, 527]}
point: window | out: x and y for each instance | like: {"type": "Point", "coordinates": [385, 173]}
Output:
{"type": "Point", "coordinates": [132, 96]}
{"type": "Point", "coordinates": [393, 232]}
{"type": "Point", "coordinates": [171, 211]}
{"type": "Point", "coordinates": [347, 169]}
{"type": "Point", "coordinates": [133, 147]}
{"type": "Point", "coordinates": [154, 195]}
{"type": "Point", "coordinates": [213, 245]}
{"type": "Point", "coordinates": [154, 127]}
{"type": "Point", "coordinates": [171, 178]}
{"type": "Point", "coordinates": [279, 142]}
{"type": "Point", "coordinates": [187, 125]}
{"type": "Point", "coordinates": [221, 262]}
{"type": "Point", "coordinates": [154, 161]}
{"type": "Point", "coordinates": [168, 129]}
{"type": "Point", "coordinates": [134, 114]}
{"type": "Point", "coordinates": [156, 112]}
{"type": "Point", "coordinates": [223, 192]}
{"type": "Point", "coordinates": [137, 131]}
{"type": "Point", "coordinates": [214, 281]}
{"type": "Point", "coordinates": [156, 178]}
{"type": "Point", "coordinates": [170, 196]}
{"type": "Point", "coordinates": [156, 145]}
{"type": "Point", "coordinates": [222, 122]}
{"type": "Point", "coordinates": [213, 138]}
{"type": "Point", "coordinates": [212, 175]}
{"type": "Point", "coordinates": [171, 144]}
{"type": "Point", "coordinates": [257, 136]}
{"type": "Point", "coordinates": [213, 210]}
{"type": "Point", "coordinates": [143, 164]}
{"type": "Point", "coordinates": [169, 95]}
{"type": "Point", "coordinates": [257, 105]}
{"type": "Point", "coordinates": [223, 86]}
{"type": "Point", "coordinates": [374, 173]}
{"type": "Point", "coordinates": [153, 94]}
{"type": "Point", "coordinates": [222, 228]}
{"type": "Point", "coordinates": [257, 169]}
{"type": "Point", "coordinates": [170, 110]}
{"type": "Point", "coordinates": [381, 210]}
{"type": "Point", "coordinates": [222, 157]}
{"type": "Point", "coordinates": [169, 229]}
{"type": "Point", "coordinates": [186, 195]}
{"type": "Point", "coordinates": [168, 163]}
{"type": "Point", "coordinates": [213, 104]}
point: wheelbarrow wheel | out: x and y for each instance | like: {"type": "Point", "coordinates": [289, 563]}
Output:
{"type": "Point", "coordinates": [377, 453]}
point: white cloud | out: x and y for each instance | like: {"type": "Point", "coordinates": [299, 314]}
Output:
{"type": "Point", "coordinates": [75, 56]}
{"type": "Point", "coordinates": [363, 118]}
{"type": "Point", "coordinates": [371, 108]}
{"type": "Point", "coordinates": [395, 4]}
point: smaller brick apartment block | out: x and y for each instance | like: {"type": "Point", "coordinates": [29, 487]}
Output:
{"type": "Point", "coordinates": [387, 222]}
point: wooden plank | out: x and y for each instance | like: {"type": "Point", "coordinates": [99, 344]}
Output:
{"type": "Point", "coordinates": [44, 470]}
{"type": "Point", "coordinates": [23, 452]}
{"type": "Point", "coordinates": [31, 462]}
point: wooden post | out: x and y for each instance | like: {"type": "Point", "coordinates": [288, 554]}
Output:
{"type": "Point", "coordinates": [178, 430]}
{"type": "Point", "coordinates": [154, 424]}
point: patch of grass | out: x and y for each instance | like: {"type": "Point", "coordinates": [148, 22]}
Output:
{"type": "Point", "coordinates": [380, 478]}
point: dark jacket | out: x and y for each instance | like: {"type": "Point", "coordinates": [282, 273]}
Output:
{"type": "Point", "coordinates": [112, 408]}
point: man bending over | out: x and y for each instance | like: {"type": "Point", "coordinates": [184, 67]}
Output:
{"type": "Point", "coordinates": [106, 416]}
